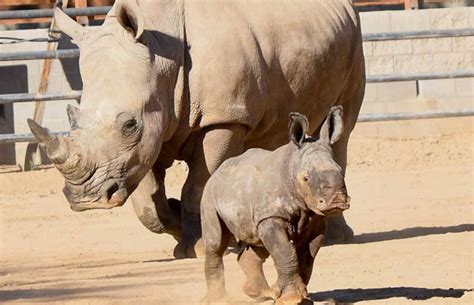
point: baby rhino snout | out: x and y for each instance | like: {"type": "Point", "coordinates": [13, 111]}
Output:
{"type": "Point", "coordinates": [334, 196]}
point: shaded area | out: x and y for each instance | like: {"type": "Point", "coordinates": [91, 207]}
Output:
{"type": "Point", "coordinates": [13, 79]}
{"type": "Point", "coordinates": [57, 293]}
{"type": "Point", "coordinates": [70, 65]}
{"type": "Point", "coordinates": [370, 294]}
{"type": "Point", "coordinates": [409, 233]}
{"type": "Point", "coordinates": [98, 291]}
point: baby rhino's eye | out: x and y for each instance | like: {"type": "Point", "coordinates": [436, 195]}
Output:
{"type": "Point", "coordinates": [305, 177]}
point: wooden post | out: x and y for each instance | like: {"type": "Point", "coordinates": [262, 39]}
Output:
{"type": "Point", "coordinates": [84, 20]}
{"type": "Point", "coordinates": [413, 4]}
{"type": "Point", "coordinates": [43, 88]}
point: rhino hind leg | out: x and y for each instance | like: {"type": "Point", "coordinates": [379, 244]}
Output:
{"type": "Point", "coordinates": [256, 286]}
{"type": "Point", "coordinates": [216, 238]}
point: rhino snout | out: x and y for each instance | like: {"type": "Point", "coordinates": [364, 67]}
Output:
{"type": "Point", "coordinates": [111, 195]}
{"type": "Point", "coordinates": [337, 202]}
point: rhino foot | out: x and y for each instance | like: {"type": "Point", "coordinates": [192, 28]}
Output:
{"type": "Point", "coordinates": [337, 230]}
{"type": "Point", "coordinates": [262, 294]}
{"type": "Point", "coordinates": [224, 300]}
{"type": "Point", "coordinates": [189, 248]}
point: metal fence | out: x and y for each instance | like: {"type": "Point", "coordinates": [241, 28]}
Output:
{"type": "Point", "coordinates": [76, 95]}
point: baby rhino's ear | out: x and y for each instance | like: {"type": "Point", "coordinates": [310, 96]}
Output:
{"type": "Point", "coordinates": [333, 127]}
{"type": "Point", "coordinates": [298, 128]}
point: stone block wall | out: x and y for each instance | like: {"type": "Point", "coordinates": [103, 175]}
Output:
{"type": "Point", "coordinates": [419, 56]}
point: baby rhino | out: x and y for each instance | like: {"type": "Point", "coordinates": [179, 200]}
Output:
{"type": "Point", "coordinates": [274, 203]}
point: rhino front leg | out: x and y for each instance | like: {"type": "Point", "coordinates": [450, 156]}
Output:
{"type": "Point", "coordinates": [256, 286]}
{"type": "Point", "coordinates": [272, 232]}
{"type": "Point", "coordinates": [351, 100]}
{"type": "Point", "coordinates": [308, 250]}
{"type": "Point", "coordinates": [337, 229]}
{"type": "Point", "coordinates": [213, 146]}
{"type": "Point", "coordinates": [154, 210]}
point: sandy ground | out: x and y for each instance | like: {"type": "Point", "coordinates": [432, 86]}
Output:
{"type": "Point", "coordinates": [412, 210]}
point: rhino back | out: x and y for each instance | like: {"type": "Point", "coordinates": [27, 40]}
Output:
{"type": "Point", "coordinates": [245, 190]}
{"type": "Point", "coordinates": [255, 61]}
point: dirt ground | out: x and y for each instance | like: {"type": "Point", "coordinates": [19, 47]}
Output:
{"type": "Point", "coordinates": [412, 194]}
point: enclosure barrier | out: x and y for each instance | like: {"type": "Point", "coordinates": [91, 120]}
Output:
{"type": "Point", "coordinates": [28, 97]}
{"type": "Point", "coordinates": [92, 11]}
{"type": "Point", "coordinates": [366, 117]}
{"type": "Point", "coordinates": [48, 13]}
{"type": "Point", "coordinates": [398, 116]}
{"type": "Point", "coordinates": [76, 95]}
{"type": "Point", "coordinates": [71, 53]}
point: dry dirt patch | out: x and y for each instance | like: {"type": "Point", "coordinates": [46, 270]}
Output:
{"type": "Point", "coordinates": [412, 211]}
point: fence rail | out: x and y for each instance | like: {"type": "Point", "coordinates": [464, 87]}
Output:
{"type": "Point", "coordinates": [365, 117]}
{"type": "Point", "coordinates": [76, 95]}
{"type": "Point", "coordinates": [28, 97]}
{"type": "Point", "coordinates": [72, 53]}
{"type": "Point", "coordinates": [48, 13]}
{"type": "Point", "coordinates": [399, 116]}
{"type": "Point", "coordinates": [417, 34]}
{"type": "Point", "coordinates": [419, 76]}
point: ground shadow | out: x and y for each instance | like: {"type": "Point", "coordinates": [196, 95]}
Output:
{"type": "Point", "coordinates": [370, 294]}
{"type": "Point", "coordinates": [409, 233]}
{"type": "Point", "coordinates": [57, 293]}
{"type": "Point", "coordinates": [100, 289]}
{"type": "Point", "coordinates": [160, 260]}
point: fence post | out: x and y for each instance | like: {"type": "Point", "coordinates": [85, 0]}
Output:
{"type": "Point", "coordinates": [36, 158]}
{"type": "Point", "coordinates": [413, 4]}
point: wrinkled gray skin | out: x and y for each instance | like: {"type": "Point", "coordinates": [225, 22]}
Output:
{"type": "Point", "coordinates": [274, 203]}
{"type": "Point", "coordinates": [200, 82]}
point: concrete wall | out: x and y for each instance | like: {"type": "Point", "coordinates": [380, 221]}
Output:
{"type": "Point", "coordinates": [418, 56]}
{"type": "Point", "coordinates": [385, 57]}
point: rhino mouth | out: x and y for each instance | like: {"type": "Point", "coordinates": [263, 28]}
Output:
{"type": "Point", "coordinates": [338, 205]}
{"type": "Point", "coordinates": [112, 195]}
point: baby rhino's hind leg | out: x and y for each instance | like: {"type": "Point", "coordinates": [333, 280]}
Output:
{"type": "Point", "coordinates": [216, 237]}
{"type": "Point", "coordinates": [256, 285]}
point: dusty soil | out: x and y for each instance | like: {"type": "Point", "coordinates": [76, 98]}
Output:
{"type": "Point", "coordinates": [412, 211]}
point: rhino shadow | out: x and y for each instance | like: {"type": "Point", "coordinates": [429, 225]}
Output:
{"type": "Point", "coordinates": [409, 233]}
{"type": "Point", "coordinates": [350, 296]}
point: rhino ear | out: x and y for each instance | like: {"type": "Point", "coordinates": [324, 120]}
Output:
{"type": "Point", "coordinates": [130, 17]}
{"type": "Point", "coordinates": [73, 116]}
{"type": "Point", "coordinates": [69, 26]}
{"type": "Point", "coordinates": [333, 127]}
{"type": "Point", "coordinates": [298, 128]}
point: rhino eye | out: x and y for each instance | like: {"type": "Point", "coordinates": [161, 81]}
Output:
{"type": "Point", "coordinates": [129, 127]}
{"type": "Point", "coordinates": [305, 177]}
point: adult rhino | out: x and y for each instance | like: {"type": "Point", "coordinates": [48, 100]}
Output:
{"type": "Point", "coordinates": [199, 81]}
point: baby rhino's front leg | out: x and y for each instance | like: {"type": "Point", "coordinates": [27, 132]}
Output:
{"type": "Point", "coordinates": [272, 232]}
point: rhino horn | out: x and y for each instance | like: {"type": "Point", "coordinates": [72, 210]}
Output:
{"type": "Point", "coordinates": [73, 116]}
{"type": "Point", "coordinates": [51, 143]}
{"type": "Point", "coordinates": [130, 17]}
{"type": "Point", "coordinates": [69, 26]}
